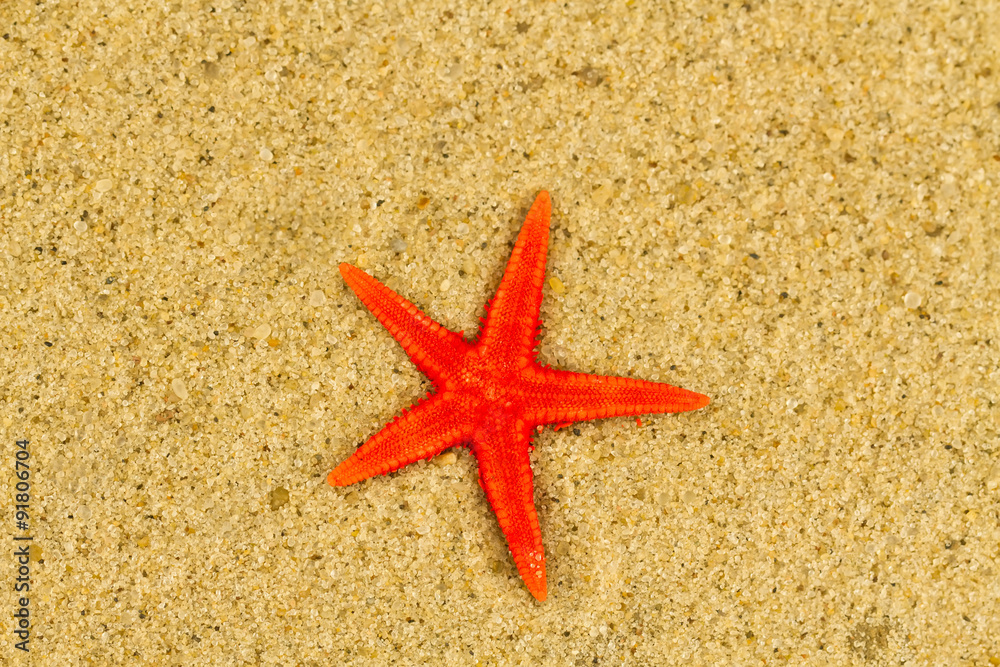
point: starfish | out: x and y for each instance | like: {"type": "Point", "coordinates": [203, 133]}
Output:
{"type": "Point", "coordinates": [492, 394]}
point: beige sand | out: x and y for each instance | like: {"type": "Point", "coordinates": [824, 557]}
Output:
{"type": "Point", "coordinates": [792, 210]}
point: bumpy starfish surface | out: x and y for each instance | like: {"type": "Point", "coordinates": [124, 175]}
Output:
{"type": "Point", "coordinates": [492, 394]}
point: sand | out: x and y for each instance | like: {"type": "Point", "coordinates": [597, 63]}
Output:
{"type": "Point", "coordinates": [790, 209]}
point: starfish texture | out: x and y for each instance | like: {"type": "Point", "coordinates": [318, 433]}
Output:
{"type": "Point", "coordinates": [492, 394]}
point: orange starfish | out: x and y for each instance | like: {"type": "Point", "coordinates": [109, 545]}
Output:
{"type": "Point", "coordinates": [492, 394]}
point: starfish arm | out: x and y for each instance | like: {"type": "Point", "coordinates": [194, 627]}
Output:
{"type": "Point", "coordinates": [435, 350]}
{"type": "Point", "coordinates": [424, 431]}
{"type": "Point", "coordinates": [513, 313]}
{"type": "Point", "coordinates": [505, 475]}
{"type": "Point", "coordinates": [564, 396]}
